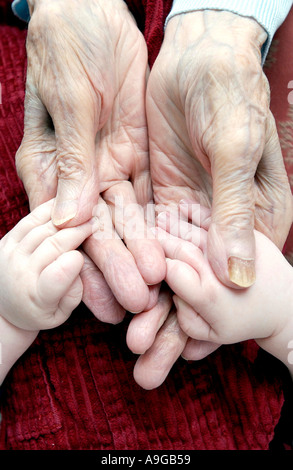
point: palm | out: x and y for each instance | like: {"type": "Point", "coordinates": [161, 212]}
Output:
{"type": "Point", "coordinates": [176, 172]}
{"type": "Point", "coordinates": [212, 140]}
{"type": "Point", "coordinates": [121, 144]}
{"type": "Point", "coordinates": [180, 166]}
{"type": "Point", "coordinates": [85, 133]}
{"type": "Point", "coordinates": [106, 94]}
{"type": "Point", "coordinates": [121, 149]}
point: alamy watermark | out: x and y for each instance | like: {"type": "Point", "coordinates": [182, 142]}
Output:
{"type": "Point", "coordinates": [130, 221]}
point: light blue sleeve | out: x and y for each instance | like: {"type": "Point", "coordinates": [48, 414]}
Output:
{"type": "Point", "coordinates": [20, 9]}
{"type": "Point", "coordinates": [270, 14]}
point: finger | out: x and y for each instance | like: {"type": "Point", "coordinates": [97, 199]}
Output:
{"type": "Point", "coordinates": [191, 322]}
{"type": "Point", "coordinates": [140, 176]}
{"type": "Point", "coordinates": [197, 213]}
{"type": "Point", "coordinates": [231, 248]}
{"type": "Point", "coordinates": [129, 222]}
{"type": "Point", "coordinates": [274, 204]}
{"type": "Point", "coordinates": [152, 368]}
{"type": "Point", "coordinates": [35, 219]}
{"type": "Point", "coordinates": [75, 112]}
{"type": "Point", "coordinates": [64, 240]}
{"type": "Point", "coordinates": [182, 229]}
{"type": "Point", "coordinates": [144, 326]}
{"type": "Point", "coordinates": [153, 296]}
{"type": "Point", "coordinates": [69, 302]}
{"type": "Point", "coordinates": [37, 235]}
{"type": "Point", "coordinates": [66, 305]}
{"type": "Point", "coordinates": [98, 296]}
{"type": "Point", "coordinates": [177, 249]}
{"type": "Point", "coordinates": [142, 186]}
{"type": "Point", "coordinates": [115, 261]}
{"type": "Point", "coordinates": [36, 157]}
{"type": "Point", "coordinates": [135, 124]}
{"type": "Point", "coordinates": [234, 160]}
{"type": "Point", "coordinates": [184, 281]}
{"type": "Point", "coordinates": [195, 350]}
{"type": "Point", "coordinates": [56, 279]}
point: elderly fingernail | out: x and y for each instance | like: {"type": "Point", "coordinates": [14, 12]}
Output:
{"type": "Point", "coordinates": [241, 271]}
{"type": "Point", "coordinates": [64, 212]}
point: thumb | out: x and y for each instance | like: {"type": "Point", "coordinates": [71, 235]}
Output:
{"type": "Point", "coordinates": [78, 112]}
{"type": "Point", "coordinates": [230, 244]}
{"type": "Point", "coordinates": [35, 168]}
{"type": "Point", "coordinates": [35, 158]}
{"type": "Point", "coordinates": [76, 167]}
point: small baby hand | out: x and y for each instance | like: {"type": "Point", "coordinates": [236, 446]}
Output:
{"type": "Point", "coordinates": [209, 311]}
{"type": "Point", "coordinates": [40, 283]}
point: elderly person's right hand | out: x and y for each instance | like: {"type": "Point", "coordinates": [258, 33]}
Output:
{"type": "Point", "coordinates": [85, 142]}
{"type": "Point", "coordinates": [213, 140]}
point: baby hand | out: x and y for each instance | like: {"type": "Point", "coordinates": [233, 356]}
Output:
{"type": "Point", "coordinates": [40, 284]}
{"type": "Point", "coordinates": [209, 311]}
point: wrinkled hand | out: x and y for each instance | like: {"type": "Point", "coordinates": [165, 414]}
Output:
{"type": "Point", "coordinates": [85, 135]}
{"type": "Point", "coordinates": [157, 335]}
{"type": "Point", "coordinates": [213, 138]}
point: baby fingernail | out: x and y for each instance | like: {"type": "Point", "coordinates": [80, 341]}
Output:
{"type": "Point", "coordinates": [241, 271]}
{"type": "Point", "coordinates": [162, 216]}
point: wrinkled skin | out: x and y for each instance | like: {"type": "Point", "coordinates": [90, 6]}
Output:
{"type": "Point", "coordinates": [212, 133]}
{"type": "Point", "coordinates": [85, 135]}
{"type": "Point", "coordinates": [85, 140]}
{"type": "Point", "coordinates": [213, 140]}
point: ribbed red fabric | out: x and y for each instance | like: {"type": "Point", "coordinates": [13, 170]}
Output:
{"type": "Point", "coordinates": [73, 389]}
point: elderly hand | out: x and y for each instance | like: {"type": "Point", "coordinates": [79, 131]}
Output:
{"type": "Point", "coordinates": [85, 135]}
{"type": "Point", "coordinates": [213, 137]}
{"type": "Point", "coordinates": [156, 335]}
{"type": "Point", "coordinates": [213, 140]}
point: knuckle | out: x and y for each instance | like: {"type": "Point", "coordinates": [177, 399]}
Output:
{"type": "Point", "coordinates": [266, 87]}
{"type": "Point", "coordinates": [19, 162]}
{"type": "Point", "coordinates": [178, 253]}
{"type": "Point", "coordinates": [171, 331]}
{"type": "Point", "coordinates": [70, 166]}
{"type": "Point", "coordinates": [44, 17]}
{"type": "Point", "coordinates": [21, 159]}
{"type": "Point", "coordinates": [55, 244]}
{"type": "Point", "coordinates": [173, 268]}
{"type": "Point", "coordinates": [184, 324]}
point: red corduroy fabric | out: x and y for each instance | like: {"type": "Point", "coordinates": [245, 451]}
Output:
{"type": "Point", "coordinates": [73, 389]}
